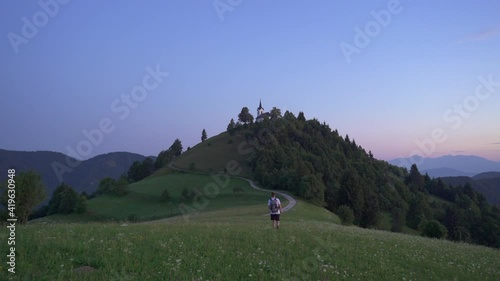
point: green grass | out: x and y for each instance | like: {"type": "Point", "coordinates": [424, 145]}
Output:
{"type": "Point", "coordinates": [229, 238]}
{"type": "Point", "coordinates": [214, 154]}
{"type": "Point", "coordinates": [244, 250]}
{"type": "Point", "coordinates": [143, 200]}
{"type": "Point", "coordinates": [232, 239]}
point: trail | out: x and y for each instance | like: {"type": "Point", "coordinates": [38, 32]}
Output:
{"type": "Point", "coordinates": [291, 201]}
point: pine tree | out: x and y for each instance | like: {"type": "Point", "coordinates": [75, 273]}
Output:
{"type": "Point", "coordinates": [203, 135]}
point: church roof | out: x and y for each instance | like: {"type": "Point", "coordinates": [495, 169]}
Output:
{"type": "Point", "coordinates": [260, 105]}
{"type": "Point", "coordinates": [264, 115]}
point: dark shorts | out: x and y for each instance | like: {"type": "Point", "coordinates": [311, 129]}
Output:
{"type": "Point", "coordinates": [275, 217]}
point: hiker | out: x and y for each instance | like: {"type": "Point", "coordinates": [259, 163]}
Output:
{"type": "Point", "coordinates": [275, 209]}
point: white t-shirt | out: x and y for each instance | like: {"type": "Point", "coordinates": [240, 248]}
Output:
{"type": "Point", "coordinates": [278, 203]}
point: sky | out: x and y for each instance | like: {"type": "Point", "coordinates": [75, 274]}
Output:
{"type": "Point", "coordinates": [399, 77]}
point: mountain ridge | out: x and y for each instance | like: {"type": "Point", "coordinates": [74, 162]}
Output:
{"type": "Point", "coordinates": [466, 164]}
{"type": "Point", "coordinates": [57, 167]}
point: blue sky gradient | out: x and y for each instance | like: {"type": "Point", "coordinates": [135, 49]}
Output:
{"type": "Point", "coordinates": [391, 96]}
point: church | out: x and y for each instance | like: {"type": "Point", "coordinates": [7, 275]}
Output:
{"type": "Point", "coordinates": [261, 115]}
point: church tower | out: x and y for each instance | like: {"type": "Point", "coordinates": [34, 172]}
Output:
{"type": "Point", "coordinates": [260, 110]}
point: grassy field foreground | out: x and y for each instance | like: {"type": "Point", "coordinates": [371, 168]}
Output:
{"type": "Point", "coordinates": [245, 250]}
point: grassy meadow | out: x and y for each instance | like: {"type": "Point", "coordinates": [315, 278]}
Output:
{"type": "Point", "coordinates": [143, 200]}
{"type": "Point", "coordinates": [242, 247]}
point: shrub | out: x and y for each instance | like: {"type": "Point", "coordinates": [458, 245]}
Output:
{"type": "Point", "coordinates": [165, 196]}
{"type": "Point", "coordinates": [188, 194]}
{"type": "Point", "coordinates": [133, 218]}
{"type": "Point", "coordinates": [192, 166]}
{"type": "Point", "coordinates": [434, 229]}
{"type": "Point", "coordinates": [81, 205]}
{"type": "Point", "coordinates": [230, 141]}
{"type": "Point", "coordinates": [346, 215]}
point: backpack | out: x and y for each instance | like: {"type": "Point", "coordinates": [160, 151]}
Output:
{"type": "Point", "coordinates": [274, 205]}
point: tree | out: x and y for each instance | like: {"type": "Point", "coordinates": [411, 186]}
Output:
{"type": "Point", "coordinates": [346, 215]}
{"type": "Point", "coordinates": [370, 209]}
{"type": "Point", "coordinates": [203, 135]}
{"type": "Point", "coordinates": [106, 185]}
{"type": "Point", "coordinates": [351, 192]}
{"type": "Point", "coordinates": [148, 166]}
{"type": "Point", "coordinates": [434, 229]}
{"type": "Point", "coordinates": [176, 147]}
{"type": "Point", "coordinates": [418, 210]}
{"type": "Point", "coordinates": [301, 117]}
{"type": "Point", "coordinates": [66, 200]}
{"type": "Point", "coordinates": [231, 126]}
{"type": "Point", "coordinates": [133, 171]}
{"type": "Point", "coordinates": [163, 158]}
{"type": "Point", "coordinates": [398, 219]}
{"type": "Point", "coordinates": [245, 116]}
{"type": "Point", "coordinates": [415, 178]}
{"type": "Point", "coordinates": [69, 201]}
{"type": "Point", "coordinates": [275, 113]}
{"type": "Point", "coordinates": [121, 187]}
{"type": "Point", "coordinates": [29, 193]}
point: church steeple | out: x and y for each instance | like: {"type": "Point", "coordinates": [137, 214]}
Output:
{"type": "Point", "coordinates": [260, 110]}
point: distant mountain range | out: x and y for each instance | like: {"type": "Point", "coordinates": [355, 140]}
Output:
{"type": "Point", "coordinates": [449, 166]}
{"type": "Point", "coordinates": [482, 174]}
{"type": "Point", "coordinates": [84, 177]}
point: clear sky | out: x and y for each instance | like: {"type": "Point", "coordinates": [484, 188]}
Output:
{"type": "Point", "coordinates": [390, 74]}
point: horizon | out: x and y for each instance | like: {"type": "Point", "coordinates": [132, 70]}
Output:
{"type": "Point", "coordinates": [401, 78]}
{"type": "Point", "coordinates": [412, 158]}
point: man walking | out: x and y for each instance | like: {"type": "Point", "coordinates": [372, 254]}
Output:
{"type": "Point", "coordinates": [275, 209]}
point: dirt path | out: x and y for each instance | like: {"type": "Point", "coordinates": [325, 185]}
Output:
{"type": "Point", "coordinates": [291, 201]}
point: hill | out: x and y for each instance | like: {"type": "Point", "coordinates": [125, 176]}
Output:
{"type": "Point", "coordinates": [446, 172]}
{"type": "Point", "coordinates": [214, 155]}
{"type": "Point", "coordinates": [488, 184]}
{"type": "Point", "coordinates": [312, 161]}
{"type": "Point", "coordinates": [54, 167]}
{"type": "Point", "coordinates": [487, 175]}
{"type": "Point", "coordinates": [467, 165]}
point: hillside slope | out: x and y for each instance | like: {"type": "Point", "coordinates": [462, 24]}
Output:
{"type": "Point", "coordinates": [486, 184]}
{"type": "Point", "coordinates": [216, 153]}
